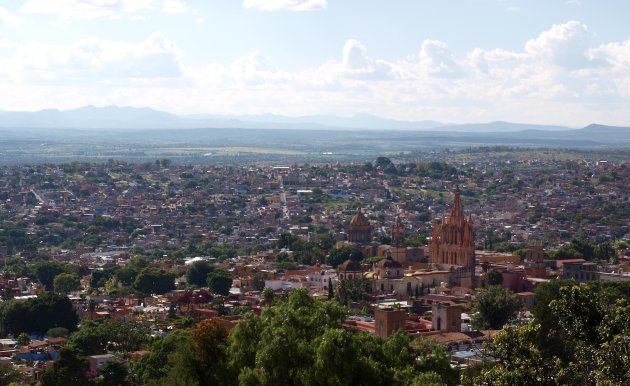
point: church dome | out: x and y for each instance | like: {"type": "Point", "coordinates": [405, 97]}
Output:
{"type": "Point", "coordinates": [349, 266]}
{"type": "Point", "coordinates": [359, 219]}
{"type": "Point", "coordinates": [388, 263]}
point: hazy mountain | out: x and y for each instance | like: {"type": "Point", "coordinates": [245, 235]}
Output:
{"type": "Point", "coordinates": [90, 117]}
{"type": "Point", "coordinates": [500, 127]}
{"type": "Point", "coordinates": [113, 117]}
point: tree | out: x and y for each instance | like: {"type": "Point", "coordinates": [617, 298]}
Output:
{"type": "Point", "coordinates": [66, 282]}
{"type": "Point", "coordinates": [550, 337]}
{"type": "Point", "coordinates": [331, 292]}
{"type": "Point", "coordinates": [592, 324]}
{"type": "Point", "coordinates": [154, 281]}
{"type": "Point", "coordinates": [494, 277]}
{"type": "Point", "coordinates": [9, 375]}
{"type": "Point", "coordinates": [416, 241]}
{"type": "Point", "coordinates": [113, 373]}
{"type": "Point", "coordinates": [518, 361]}
{"type": "Point", "coordinates": [284, 347]}
{"type": "Point", "coordinates": [352, 290]}
{"type": "Point", "coordinates": [58, 332]}
{"type": "Point", "coordinates": [197, 273]}
{"type": "Point", "coordinates": [97, 337]}
{"type": "Point", "coordinates": [156, 364]}
{"type": "Point", "coordinates": [268, 295]}
{"type": "Point", "coordinates": [493, 307]}
{"type": "Point", "coordinates": [37, 315]}
{"type": "Point", "coordinates": [47, 271]}
{"type": "Point", "coordinates": [339, 255]}
{"type": "Point", "coordinates": [220, 282]}
{"type": "Point", "coordinates": [383, 162]}
{"type": "Point", "coordinates": [69, 369]}
{"type": "Point", "coordinates": [23, 339]}
{"type": "Point", "coordinates": [202, 360]}
{"type": "Point", "coordinates": [127, 274]}
{"type": "Point", "coordinates": [301, 341]}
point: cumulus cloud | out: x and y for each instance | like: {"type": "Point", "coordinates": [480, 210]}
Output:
{"type": "Point", "coordinates": [564, 44]}
{"type": "Point", "coordinates": [290, 5]}
{"type": "Point", "coordinates": [536, 83]}
{"type": "Point", "coordinates": [355, 55]}
{"type": "Point", "coordinates": [93, 61]}
{"type": "Point", "coordinates": [437, 59]}
{"type": "Point", "coordinates": [8, 19]}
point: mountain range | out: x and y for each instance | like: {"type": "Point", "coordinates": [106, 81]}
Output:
{"type": "Point", "coordinates": [114, 117]}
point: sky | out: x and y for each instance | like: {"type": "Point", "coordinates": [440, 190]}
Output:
{"type": "Point", "coordinates": [532, 61]}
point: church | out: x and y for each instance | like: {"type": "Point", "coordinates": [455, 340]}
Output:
{"type": "Point", "coordinates": [452, 245]}
{"type": "Point", "coordinates": [451, 255]}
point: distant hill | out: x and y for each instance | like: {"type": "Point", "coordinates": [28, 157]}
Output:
{"type": "Point", "coordinates": [113, 117]}
{"type": "Point", "coordinates": [500, 127]}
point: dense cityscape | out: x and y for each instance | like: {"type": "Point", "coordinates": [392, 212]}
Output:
{"type": "Point", "coordinates": [314, 193]}
{"type": "Point", "coordinates": [116, 273]}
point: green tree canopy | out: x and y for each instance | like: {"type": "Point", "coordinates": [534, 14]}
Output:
{"type": "Point", "coordinates": [197, 273]}
{"type": "Point", "coordinates": [154, 281]}
{"type": "Point", "coordinates": [493, 307]}
{"type": "Point", "coordinates": [97, 337]}
{"type": "Point", "coordinates": [339, 255]}
{"type": "Point", "coordinates": [66, 282]}
{"type": "Point", "coordinates": [46, 272]}
{"type": "Point", "coordinates": [592, 324]}
{"type": "Point", "coordinates": [220, 282]}
{"type": "Point", "coordinates": [37, 315]}
{"type": "Point", "coordinates": [69, 369]}
{"type": "Point", "coordinates": [494, 277]}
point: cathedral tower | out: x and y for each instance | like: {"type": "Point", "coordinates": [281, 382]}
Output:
{"type": "Point", "coordinates": [360, 229]}
{"type": "Point", "coordinates": [453, 242]}
{"type": "Point", "coordinates": [398, 233]}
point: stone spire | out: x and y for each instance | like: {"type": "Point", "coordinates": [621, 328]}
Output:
{"type": "Point", "coordinates": [457, 213]}
{"type": "Point", "coordinates": [436, 231]}
{"type": "Point", "coordinates": [398, 233]}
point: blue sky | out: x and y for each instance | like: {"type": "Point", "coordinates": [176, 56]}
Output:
{"type": "Point", "coordinates": [554, 61]}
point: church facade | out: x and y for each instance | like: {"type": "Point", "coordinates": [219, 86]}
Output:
{"type": "Point", "coordinates": [452, 245]}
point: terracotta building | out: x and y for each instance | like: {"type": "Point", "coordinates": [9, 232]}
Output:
{"type": "Point", "coordinates": [453, 243]}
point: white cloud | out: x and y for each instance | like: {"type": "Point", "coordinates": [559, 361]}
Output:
{"type": "Point", "coordinates": [93, 62]}
{"type": "Point", "coordinates": [437, 59]}
{"type": "Point", "coordinates": [8, 19]}
{"type": "Point", "coordinates": [290, 5]}
{"type": "Point", "coordinates": [536, 83]}
{"type": "Point", "coordinates": [89, 9]}
{"type": "Point", "coordinates": [200, 20]}
{"type": "Point", "coordinates": [355, 55]}
{"type": "Point", "coordinates": [564, 44]}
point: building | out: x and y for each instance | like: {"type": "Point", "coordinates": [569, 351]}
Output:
{"type": "Point", "coordinates": [398, 233]}
{"type": "Point", "coordinates": [535, 262]}
{"type": "Point", "coordinates": [446, 316]}
{"type": "Point", "coordinates": [397, 250]}
{"type": "Point", "coordinates": [350, 269]}
{"type": "Point", "coordinates": [453, 244]}
{"type": "Point", "coordinates": [581, 272]}
{"type": "Point", "coordinates": [360, 229]}
{"type": "Point", "coordinates": [388, 320]}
